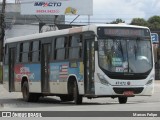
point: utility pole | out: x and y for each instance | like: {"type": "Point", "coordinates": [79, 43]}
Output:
{"type": "Point", "coordinates": [2, 27]}
{"type": "Point", "coordinates": [2, 33]}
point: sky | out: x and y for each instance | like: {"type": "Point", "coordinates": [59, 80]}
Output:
{"type": "Point", "coordinates": [126, 9]}
{"type": "Point", "coordinates": [109, 10]}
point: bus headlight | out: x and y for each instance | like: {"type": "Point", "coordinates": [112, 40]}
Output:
{"type": "Point", "coordinates": [102, 79]}
{"type": "Point", "coordinates": [149, 82]}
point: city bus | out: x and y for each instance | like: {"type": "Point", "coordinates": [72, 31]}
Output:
{"type": "Point", "coordinates": [105, 60]}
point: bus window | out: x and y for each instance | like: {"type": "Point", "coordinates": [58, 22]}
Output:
{"type": "Point", "coordinates": [52, 49]}
{"type": "Point", "coordinates": [25, 52]}
{"type": "Point", "coordinates": [60, 48]}
{"type": "Point", "coordinates": [60, 42]}
{"type": "Point", "coordinates": [75, 47]}
{"type": "Point", "coordinates": [30, 51]}
{"type": "Point", "coordinates": [36, 51]}
{"type": "Point", "coordinates": [20, 51]}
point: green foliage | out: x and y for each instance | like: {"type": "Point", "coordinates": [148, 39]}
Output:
{"type": "Point", "coordinates": [118, 20]}
{"type": "Point", "coordinates": [153, 22]}
{"type": "Point", "coordinates": [139, 21]}
{"type": "Point", "coordinates": [154, 19]}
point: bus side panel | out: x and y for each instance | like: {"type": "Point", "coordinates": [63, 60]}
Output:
{"type": "Point", "coordinates": [6, 77]}
{"type": "Point", "coordinates": [33, 74]}
{"type": "Point", "coordinates": [59, 74]}
{"type": "Point", "coordinates": [81, 83]}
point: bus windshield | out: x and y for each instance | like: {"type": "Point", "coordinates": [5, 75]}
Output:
{"type": "Point", "coordinates": [125, 55]}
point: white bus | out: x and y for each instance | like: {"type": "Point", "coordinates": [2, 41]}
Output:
{"type": "Point", "coordinates": [107, 60]}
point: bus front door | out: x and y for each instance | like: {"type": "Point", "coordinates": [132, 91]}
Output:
{"type": "Point", "coordinates": [89, 66]}
{"type": "Point", "coordinates": [11, 69]}
{"type": "Point", "coordinates": [45, 59]}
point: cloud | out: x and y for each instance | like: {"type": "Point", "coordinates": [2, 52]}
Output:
{"type": "Point", "coordinates": [126, 9]}
{"type": "Point", "coordinates": [113, 9]}
{"type": "Point", "coordinates": [149, 7]}
{"type": "Point", "coordinates": [109, 10]}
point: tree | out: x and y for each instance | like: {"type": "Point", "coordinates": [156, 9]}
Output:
{"type": "Point", "coordinates": [139, 21]}
{"type": "Point", "coordinates": [154, 23]}
{"type": "Point", "coordinates": [118, 20]}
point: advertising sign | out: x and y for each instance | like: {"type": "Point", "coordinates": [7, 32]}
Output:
{"type": "Point", "coordinates": [57, 7]}
{"type": "Point", "coordinates": [155, 38]}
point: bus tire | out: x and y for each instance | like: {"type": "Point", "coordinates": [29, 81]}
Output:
{"type": "Point", "coordinates": [25, 92]}
{"type": "Point", "coordinates": [76, 96]}
{"type": "Point", "coordinates": [122, 100]}
{"type": "Point", "coordinates": [28, 97]}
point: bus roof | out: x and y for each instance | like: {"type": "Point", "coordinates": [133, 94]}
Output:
{"type": "Point", "coordinates": [67, 31]}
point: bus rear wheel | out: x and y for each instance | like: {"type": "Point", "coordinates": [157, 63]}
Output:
{"type": "Point", "coordinates": [28, 97]}
{"type": "Point", "coordinates": [122, 100]}
{"type": "Point", "coordinates": [76, 96]}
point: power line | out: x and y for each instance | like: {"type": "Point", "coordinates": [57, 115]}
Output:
{"type": "Point", "coordinates": [74, 19]}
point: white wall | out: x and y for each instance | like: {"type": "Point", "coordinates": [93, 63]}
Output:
{"type": "Point", "coordinates": [21, 30]}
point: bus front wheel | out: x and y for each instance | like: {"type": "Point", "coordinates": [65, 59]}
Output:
{"type": "Point", "coordinates": [76, 96]}
{"type": "Point", "coordinates": [122, 100]}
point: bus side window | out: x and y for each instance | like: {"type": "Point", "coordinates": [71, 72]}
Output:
{"type": "Point", "coordinates": [75, 48]}
{"type": "Point", "coordinates": [20, 52]}
{"type": "Point", "coordinates": [80, 46]}
{"type": "Point", "coordinates": [30, 51]}
{"type": "Point", "coordinates": [66, 45]}
{"type": "Point", "coordinates": [36, 51]}
{"type": "Point", "coordinates": [60, 48]}
{"type": "Point", "coordinates": [52, 49]}
{"type": "Point", "coordinates": [25, 52]}
{"type": "Point", "coordinates": [55, 51]}
{"type": "Point", "coordinates": [39, 51]}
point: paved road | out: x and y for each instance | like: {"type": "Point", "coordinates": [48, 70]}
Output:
{"type": "Point", "coordinates": [13, 101]}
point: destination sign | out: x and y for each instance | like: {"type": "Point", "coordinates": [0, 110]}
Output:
{"type": "Point", "coordinates": [122, 32]}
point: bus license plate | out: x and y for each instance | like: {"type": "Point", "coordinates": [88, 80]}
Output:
{"type": "Point", "coordinates": [128, 93]}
